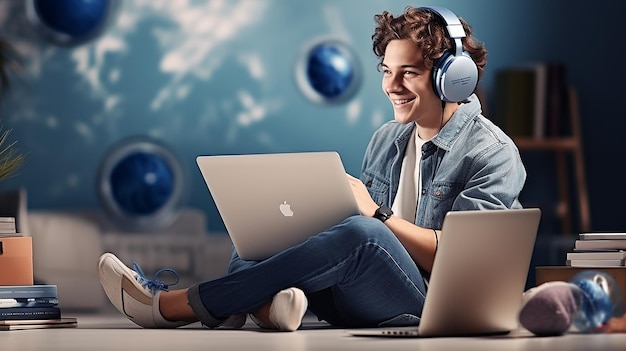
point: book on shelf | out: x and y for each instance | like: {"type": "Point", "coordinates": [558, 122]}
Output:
{"type": "Point", "coordinates": [600, 244]}
{"type": "Point", "coordinates": [51, 312]}
{"type": "Point", "coordinates": [602, 236]}
{"type": "Point", "coordinates": [17, 324]}
{"type": "Point", "coordinates": [540, 71]}
{"type": "Point", "coordinates": [28, 291]}
{"type": "Point", "coordinates": [595, 263]}
{"type": "Point", "coordinates": [557, 101]}
{"type": "Point", "coordinates": [514, 101]}
{"type": "Point", "coordinates": [533, 100]}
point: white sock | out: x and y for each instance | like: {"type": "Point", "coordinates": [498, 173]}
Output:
{"type": "Point", "coordinates": [288, 308]}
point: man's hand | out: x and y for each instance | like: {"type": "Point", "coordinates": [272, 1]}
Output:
{"type": "Point", "coordinates": [366, 204]}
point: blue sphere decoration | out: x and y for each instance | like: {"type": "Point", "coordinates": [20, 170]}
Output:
{"type": "Point", "coordinates": [72, 17]}
{"type": "Point", "coordinates": [328, 72]}
{"type": "Point", "coordinates": [141, 184]}
{"type": "Point", "coordinates": [597, 306]}
{"type": "Point", "coordinates": [69, 22]}
{"type": "Point", "coordinates": [601, 299]}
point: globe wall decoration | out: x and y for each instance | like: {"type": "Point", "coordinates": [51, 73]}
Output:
{"type": "Point", "coordinates": [328, 72]}
{"type": "Point", "coordinates": [141, 184]}
{"type": "Point", "coordinates": [71, 22]}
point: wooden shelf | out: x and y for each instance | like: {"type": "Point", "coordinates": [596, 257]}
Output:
{"type": "Point", "coordinates": [562, 146]}
{"type": "Point", "coordinates": [546, 144]}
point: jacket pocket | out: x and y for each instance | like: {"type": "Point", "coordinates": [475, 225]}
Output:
{"type": "Point", "coordinates": [442, 196]}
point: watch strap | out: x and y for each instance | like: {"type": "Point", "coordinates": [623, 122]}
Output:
{"type": "Point", "coordinates": [383, 213]}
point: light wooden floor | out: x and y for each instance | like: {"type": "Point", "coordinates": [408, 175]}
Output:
{"type": "Point", "coordinates": [112, 332]}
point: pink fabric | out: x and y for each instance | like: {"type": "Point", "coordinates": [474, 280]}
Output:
{"type": "Point", "coordinates": [549, 309]}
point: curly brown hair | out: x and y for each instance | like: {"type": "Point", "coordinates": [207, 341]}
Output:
{"type": "Point", "coordinates": [428, 31]}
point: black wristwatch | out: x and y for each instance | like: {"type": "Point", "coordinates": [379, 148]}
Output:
{"type": "Point", "coordinates": [383, 213]}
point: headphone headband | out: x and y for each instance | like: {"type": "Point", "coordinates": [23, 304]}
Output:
{"type": "Point", "coordinates": [453, 26]}
{"type": "Point", "coordinates": [455, 74]}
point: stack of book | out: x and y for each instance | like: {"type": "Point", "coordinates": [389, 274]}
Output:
{"type": "Point", "coordinates": [31, 307]}
{"type": "Point", "coordinates": [7, 227]}
{"type": "Point", "coordinates": [598, 250]}
{"type": "Point", "coordinates": [24, 305]}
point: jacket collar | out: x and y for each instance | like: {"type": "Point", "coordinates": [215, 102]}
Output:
{"type": "Point", "coordinates": [463, 115]}
{"type": "Point", "coordinates": [450, 132]}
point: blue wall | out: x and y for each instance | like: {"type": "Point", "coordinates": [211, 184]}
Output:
{"type": "Point", "coordinates": [211, 77]}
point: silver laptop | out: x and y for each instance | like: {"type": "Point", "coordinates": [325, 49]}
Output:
{"type": "Point", "coordinates": [270, 202]}
{"type": "Point", "coordinates": [478, 276]}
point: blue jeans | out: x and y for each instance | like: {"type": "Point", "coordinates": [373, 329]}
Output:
{"type": "Point", "coordinates": [355, 274]}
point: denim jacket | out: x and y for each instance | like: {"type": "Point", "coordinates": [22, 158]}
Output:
{"type": "Point", "coordinates": [470, 165]}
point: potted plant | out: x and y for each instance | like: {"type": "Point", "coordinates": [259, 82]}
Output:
{"type": "Point", "coordinates": [10, 158]}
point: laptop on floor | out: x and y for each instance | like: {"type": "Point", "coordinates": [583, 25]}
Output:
{"type": "Point", "coordinates": [270, 202]}
{"type": "Point", "coordinates": [478, 277]}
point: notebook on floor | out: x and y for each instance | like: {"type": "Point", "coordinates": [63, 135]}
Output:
{"type": "Point", "coordinates": [478, 276]}
{"type": "Point", "coordinates": [270, 202]}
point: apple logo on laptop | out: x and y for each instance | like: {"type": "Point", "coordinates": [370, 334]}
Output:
{"type": "Point", "coordinates": [285, 209]}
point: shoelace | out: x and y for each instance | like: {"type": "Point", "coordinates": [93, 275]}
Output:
{"type": "Point", "coordinates": [154, 284]}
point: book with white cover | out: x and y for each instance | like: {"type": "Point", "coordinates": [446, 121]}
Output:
{"type": "Point", "coordinates": [602, 236]}
{"type": "Point", "coordinates": [65, 322]}
{"type": "Point", "coordinates": [595, 263]}
{"type": "Point", "coordinates": [600, 244]}
{"type": "Point", "coordinates": [597, 255]}
{"type": "Point", "coordinates": [28, 291]}
{"type": "Point", "coordinates": [7, 225]}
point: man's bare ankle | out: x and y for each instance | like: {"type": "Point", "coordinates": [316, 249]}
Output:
{"type": "Point", "coordinates": [262, 315]}
{"type": "Point", "coordinates": [174, 306]}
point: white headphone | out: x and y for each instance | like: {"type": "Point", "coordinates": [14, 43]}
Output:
{"type": "Point", "coordinates": [455, 74]}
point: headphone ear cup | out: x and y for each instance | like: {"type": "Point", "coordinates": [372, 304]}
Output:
{"type": "Point", "coordinates": [454, 77]}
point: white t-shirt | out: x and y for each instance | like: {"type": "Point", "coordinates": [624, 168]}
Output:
{"type": "Point", "coordinates": [407, 198]}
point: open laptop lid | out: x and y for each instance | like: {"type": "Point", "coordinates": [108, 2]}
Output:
{"type": "Point", "coordinates": [480, 272]}
{"type": "Point", "coordinates": [270, 202]}
{"type": "Point", "coordinates": [478, 276]}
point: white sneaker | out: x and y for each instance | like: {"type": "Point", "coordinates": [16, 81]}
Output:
{"type": "Point", "coordinates": [133, 294]}
{"type": "Point", "coordinates": [286, 312]}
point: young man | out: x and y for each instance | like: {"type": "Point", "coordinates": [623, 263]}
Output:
{"type": "Point", "coordinates": [439, 154]}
